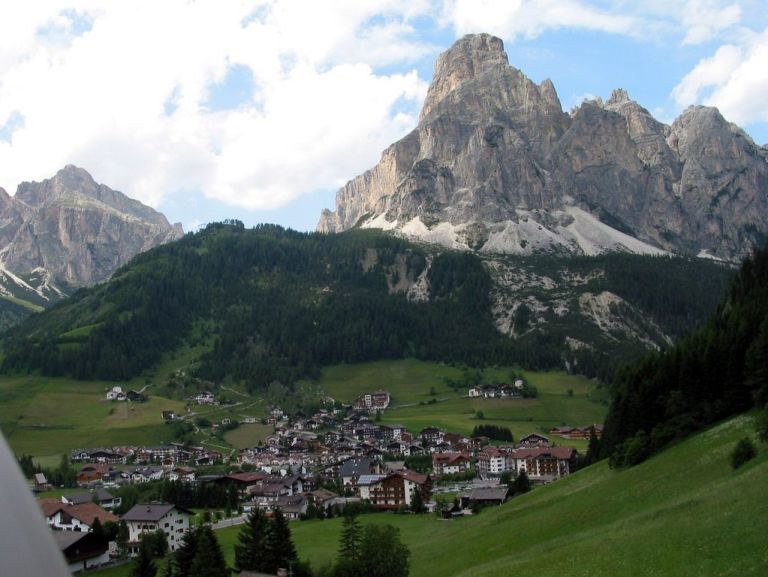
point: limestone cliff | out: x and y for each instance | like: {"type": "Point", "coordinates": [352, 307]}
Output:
{"type": "Point", "coordinates": [496, 165]}
{"type": "Point", "coordinates": [73, 231]}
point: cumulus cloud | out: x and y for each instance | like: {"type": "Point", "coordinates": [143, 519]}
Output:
{"type": "Point", "coordinates": [734, 79]}
{"type": "Point", "coordinates": [125, 90]}
{"type": "Point", "coordinates": [705, 19]}
{"type": "Point", "coordinates": [529, 18]}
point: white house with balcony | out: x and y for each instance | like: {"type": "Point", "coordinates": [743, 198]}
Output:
{"type": "Point", "coordinates": [143, 518]}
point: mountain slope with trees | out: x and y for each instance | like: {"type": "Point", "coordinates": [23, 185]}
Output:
{"type": "Point", "coordinates": [718, 371]}
{"type": "Point", "coordinates": [269, 304]}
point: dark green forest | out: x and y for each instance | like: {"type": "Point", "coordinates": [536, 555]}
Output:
{"type": "Point", "coordinates": [271, 304]}
{"type": "Point", "coordinates": [717, 371]}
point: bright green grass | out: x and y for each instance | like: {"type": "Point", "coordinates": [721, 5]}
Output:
{"type": "Point", "coordinates": [248, 435]}
{"type": "Point", "coordinates": [683, 512]}
{"type": "Point", "coordinates": [409, 382]}
{"type": "Point", "coordinates": [22, 303]}
{"type": "Point", "coordinates": [49, 416]}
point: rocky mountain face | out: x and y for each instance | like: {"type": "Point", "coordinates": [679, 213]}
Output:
{"type": "Point", "coordinates": [495, 165]}
{"type": "Point", "coordinates": [71, 231]}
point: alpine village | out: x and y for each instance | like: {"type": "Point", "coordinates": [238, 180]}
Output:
{"type": "Point", "coordinates": [528, 342]}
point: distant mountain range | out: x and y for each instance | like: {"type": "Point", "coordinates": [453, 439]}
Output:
{"type": "Point", "coordinates": [497, 166]}
{"type": "Point", "coordinates": [67, 232]}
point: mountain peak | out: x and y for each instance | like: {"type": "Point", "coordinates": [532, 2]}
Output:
{"type": "Point", "coordinates": [496, 165]}
{"type": "Point", "coordinates": [78, 230]}
{"type": "Point", "coordinates": [468, 58]}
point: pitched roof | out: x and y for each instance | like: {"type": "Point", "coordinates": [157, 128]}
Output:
{"type": "Point", "coordinates": [87, 512]}
{"type": "Point", "coordinates": [556, 452]}
{"type": "Point", "coordinates": [355, 467]}
{"type": "Point", "coordinates": [489, 493]}
{"type": "Point", "coordinates": [144, 512]}
{"type": "Point", "coordinates": [87, 496]}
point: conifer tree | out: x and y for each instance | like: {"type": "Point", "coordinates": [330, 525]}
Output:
{"type": "Point", "coordinates": [251, 548]}
{"type": "Point", "coordinates": [143, 566]}
{"type": "Point", "coordinates": [281, 553]}
{"type": "Point", "coordinates": [208, 560]}
{"type": "Point", "coordinates": [349, 546]}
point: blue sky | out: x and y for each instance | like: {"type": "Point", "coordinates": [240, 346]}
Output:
{"type": "Point", "coordinates": [261, 109]}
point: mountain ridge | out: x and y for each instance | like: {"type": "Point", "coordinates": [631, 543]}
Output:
{"type": "Point", "coordinates": [494, 151]}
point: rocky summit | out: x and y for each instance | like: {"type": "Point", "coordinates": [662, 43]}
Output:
{"type": "Point", "coordinates": [497, 166]}
{"type": "Point", "coordinates": [69, 230]}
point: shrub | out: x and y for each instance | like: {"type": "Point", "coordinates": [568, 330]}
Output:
{"type": "Point", "coordinates": [743, 451]}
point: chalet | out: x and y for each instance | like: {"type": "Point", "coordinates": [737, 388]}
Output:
{"type": "Point", "coordinates": [106, 456]}
{"type": "Point", "coordinates": [431, 436]}
{"type": "Point", "coordinates": [292, 506]}
{"type": "Point", "coordinates": [82, 550]}
{"type": "Point", "coordinates": [352, 469]}
{"type": "Point", "coordinates": [146, 474]}
{"type": "Point", "coordinates": [92, 473]}
{"type": "Point", "coordinates": [79, 518]}
{"type": "Point", "coordinates": [41, 483]}
{"type": "Point", "coordinates": [492, 462]}
{"type": "Point", "coordinates": [169, 415]}
{"type": "Point", "coordinates": [533, 441]}
{"type": "Point", "coordinates": [545, 464]}
{"type": "Point", "coordinates": [249, 420]}
{"type": "Point", "coordinates": [173, 520]}
{"type": "Point", "coordinates": [484, 496]}
{"type": "Point", "coordinates": [372, 402]}
{"type": "Point", "coordinates": [205, 398]}
{"type": "Point", "coordinates": [396, 490]}
{"type": "Point", "coordinates": [185, 474]}
{"type": "Point", "coordinates": [577, 432]}
{"type": "Point", "coordinates": [450, 463]}
{"type": "Point", "coordinates": [102, 497]}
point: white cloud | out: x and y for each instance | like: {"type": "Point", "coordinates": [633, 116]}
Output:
{"type": "Point", "coordinates": [91, 80]}
{"type": "Point", "coordinates": [530, 18]}
{"type": "Point", "coordinates": [705, 19]}
{"type": "Point", "coordinates": [734, 79]}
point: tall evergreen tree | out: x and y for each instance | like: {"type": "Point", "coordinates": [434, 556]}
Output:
{"type": "Point", "coordinates": [208, 560]}
{"type": "Point", "coordinates": [351, 533]}
{"type": "Point", "coordinates": [142, 565]}
{"type": "Point", "coordinates": [382, 554]}
{"type": "Point", "coordinates": [281, 553]}
{"type": "Point", "coordinates": [251, 547]}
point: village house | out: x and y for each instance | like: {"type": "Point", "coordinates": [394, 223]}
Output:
{"type": "Point", "coordinates": [533, 441]}
{"type": "Point", "coordinates": [41, 483]}
{"type": "Point", "coordinates": [92, 473]}
{"type": "Point", "coordinates": [545, 464]}
{"type": "Point", "coordinates": [450, 463]}
{"type": "Point", "coordinates": [205, 398]}
{"type": "Point", "coordinates": [116, 394]}
{"type": "Point", "coordinates": [492, 462]}
{"type": "Point", "coordinates": [396, 490]}
{"type": "Point", "coordinates": [352, 469]}
{"type": "Point", "coordinates": [80, 518]}
{"type": "Point", "coordinates": [143, 518]}
{"type": "Point", "coordinates": [82, 551]}
{"type": "Point", "coordinates": [484, 496]}
{"type": "Point", "coordinates": [577, 432]}
{"type": "Point", "coordinates": [372, 402]}
{"type": "Point", "coordinates": [101, 497]}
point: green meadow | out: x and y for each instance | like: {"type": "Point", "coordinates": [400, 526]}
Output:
{"type": "Point", "coordinates": [46, 417]}
{"type": "Point", "coordinates": [563, 399]}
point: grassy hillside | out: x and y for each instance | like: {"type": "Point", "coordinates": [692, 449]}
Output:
{"type": "Point", "coordinates": [46, 416]}
{"type": "Point", "coordinates": [683, 512]}
{"type": "Point", "coordinates": [411, 381]}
